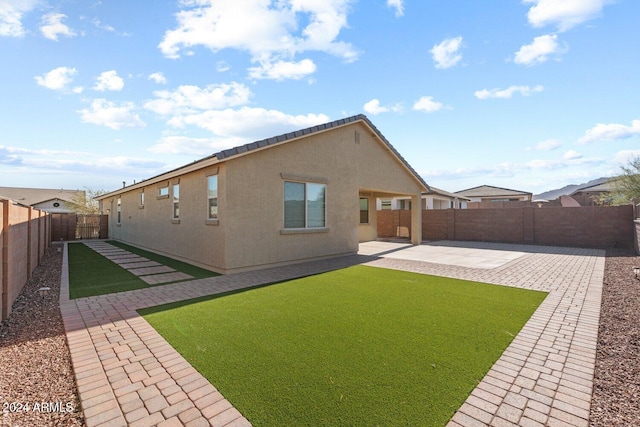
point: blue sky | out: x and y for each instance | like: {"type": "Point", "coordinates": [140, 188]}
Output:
{"type": "Point", "coordinates": [523, 94]}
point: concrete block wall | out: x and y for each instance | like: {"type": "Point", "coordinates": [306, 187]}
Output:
{"type": "Point", "coordinates": [588, 226]}
{"type": "Point", "coordinates": [24, 239]}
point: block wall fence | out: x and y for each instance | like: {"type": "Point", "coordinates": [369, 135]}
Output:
{"type": "Point", "coordinates": [25, 234]}
{"type": "Point", "coordinates": [588, 226]}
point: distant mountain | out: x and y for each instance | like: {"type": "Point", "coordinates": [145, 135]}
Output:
{"type": "Point", "coordinates": [568, 189]}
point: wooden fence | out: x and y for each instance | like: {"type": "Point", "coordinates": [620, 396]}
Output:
{"type": "Point", "coordinates": [25, 233]}
{"type": "Point", "coordinates": [71, 226]}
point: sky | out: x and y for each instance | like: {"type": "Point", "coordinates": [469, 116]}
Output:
{"type": "Point", "coordinates": [529, 95]}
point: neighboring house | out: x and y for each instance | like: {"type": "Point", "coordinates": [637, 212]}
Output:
{"type": "Point", "coordinates": [433, 199]}
{"type": "Point", "coordinates": [49, 200]}
{"type": "Point", "coordinates": [300, 196]}
{"type": "Point", "coordinates": [595, 194]}
{"type": "Point", "coordinates": [488, 193]}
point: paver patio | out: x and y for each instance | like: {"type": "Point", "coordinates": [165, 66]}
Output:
{"type": "Point", "coordinates": [127, 374]}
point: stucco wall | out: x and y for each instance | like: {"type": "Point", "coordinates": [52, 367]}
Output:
{"type": "Point", "coordinates": [350, 160]}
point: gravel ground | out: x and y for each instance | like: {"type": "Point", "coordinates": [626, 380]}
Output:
{"type": "Point", "coordinates": [35, 367]}
{"type": "Point", "coordinates": [616, 394]}
{"type": "Point", "coordinates": [37, 387]}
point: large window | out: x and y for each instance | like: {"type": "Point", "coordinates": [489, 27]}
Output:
{"type": "Point", "coordinates": [364, 210]}
{"type": "Point", "coordinates": [304, 205]}
{"type": "Point", "coordinates": [176, 201]}
{"type": "Point", "coordinates": [212, 196]}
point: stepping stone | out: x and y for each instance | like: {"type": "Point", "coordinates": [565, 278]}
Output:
{"type": "Point", "coordinates": [156, 279]}
{"type": "Point", "coordinates": [139, 264]}
{"type": "Point", "coordinates": [129, 260]}
{"type": "Point", "coordinates": [145, 271]}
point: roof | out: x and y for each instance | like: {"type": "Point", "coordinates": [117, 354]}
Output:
{"type": "Point", "coordinates": [435, 190]}
{"type": "Point", "coordinates": [490, 191]}
{"type": "Point", "coordinates": [604, 187]}
{"type": "Point", "coordinates": [267, 143]}
{"type": "Point", "coordinates": [33, 196]}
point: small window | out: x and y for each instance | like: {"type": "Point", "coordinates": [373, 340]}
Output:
{"type": "Point", "coordinates": [119, 210]}
{"type": "Point", "coordinates": [163, 191]}
{"type": "Point", "coordinates": [142, 199]}
{"type": "Point", "coordinates": [304, 205]}
{"type": "Point", "coordinates": [176, 201]}
{"type": "Point", "coordinates": [364, 210]}
{"type": "Point", "coordinates": [212, 196]}
{"type": "Point", "coordinates": [385, 204]}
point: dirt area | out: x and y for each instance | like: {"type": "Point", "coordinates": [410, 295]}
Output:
{"type": "Point", "coordinates": [37, 387]}
{"type": "Point", "coordinates": [616, 394]}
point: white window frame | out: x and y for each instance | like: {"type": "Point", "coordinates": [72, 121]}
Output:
{"type": "Point", "coordinates": [175, 205]}
{"type": "Point", "coordinates": [209, 198]}
{"type": "Point", "coordinates": [306, 206]}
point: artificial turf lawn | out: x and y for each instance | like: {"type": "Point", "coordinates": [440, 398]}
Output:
{"type": "Point", "coordinates": [357, 346]}
{"type": "Point", "coordinates": [92, 274]}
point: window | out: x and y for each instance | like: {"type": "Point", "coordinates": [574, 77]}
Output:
{"type": "Point", "coordinates": [405, 204]}
{"type": "Point", "coordinates": [163, 191]}
{"type": "Point", "coordinates": [176, 201]}
{"type": "Point", "coordinates": [385, 204]}
{"type": "Point", "coordinates": [142, 199]}
{"type": "Point", "coordinates": [119, 210]}
{"type": "Point", "coordinates": [364, 210]}
{"type": "Point", "coordinates": [304, 205]}
{"type": "Point", "coordinates": [212, 196]}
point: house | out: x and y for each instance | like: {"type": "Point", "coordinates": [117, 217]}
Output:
{"type": "Point", "coordinates": [488, 193]}
{"type": "Point", "coordinates": [49, 200]}
{"type": "Point", "coordinates": [433, 199]}
{"type": "Point", "coordinates": [598, 194]}
{"type": "Point", "coordinates": [296, 197]}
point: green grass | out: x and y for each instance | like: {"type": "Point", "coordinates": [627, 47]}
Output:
{"type": "Point", "coordinates": [358, 346]}
{"type": "Point", "coordinates": [92, 274]}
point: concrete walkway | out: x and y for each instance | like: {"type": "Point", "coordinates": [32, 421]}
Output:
{"type": "Point", "coordinates": [127, 374]}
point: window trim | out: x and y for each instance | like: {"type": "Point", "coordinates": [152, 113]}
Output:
{"type": "Point", "coordinates": [306, 229]}
{"type": "Point", "coordinates": [175, 202]}
{"type": "Point", "coordinates": [368, 210]}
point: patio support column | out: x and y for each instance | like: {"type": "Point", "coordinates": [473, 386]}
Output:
{"type": "Point", "coordinates": [416, 219]}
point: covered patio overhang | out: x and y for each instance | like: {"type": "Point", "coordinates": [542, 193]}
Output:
{"type": "Point", "coordinates": [368, 227]}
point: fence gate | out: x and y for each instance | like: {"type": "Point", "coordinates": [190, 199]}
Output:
{"type": "Point", "coordinates": [71, 226]}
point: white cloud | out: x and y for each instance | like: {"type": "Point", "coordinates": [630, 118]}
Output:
{"type": "Point", "coordinates": [59, 79]}
{"type": "Point", "coordinates": [546, 145]}
{"type": "Point", "coordinates": [11, 14]}
{"type": "Point", "coordinates": [374, 107]}
{"type": "Point", "coordinates": [158, 78]}
{"type": "Point", "coordinates": [248, 123]}
{"type": "Point", "coordinates": [446, 53]}
{"type": "Point", "coordinates": [610, 132]}
{"type": "Point", "coordinates": [176, 144]}
{"type": "Point", "coordinates": [565, 14]}
{"type": "Point", "coordinates": [539, 50]}
{"type": "Point", "coordinates": [74, 162]}
{"type": "Point", "coordinates": [398, 5]}
{"type": "Point", "coordinates": [508, 92]}
{"type": "Point", "coordinates": [269, 31]}
{"type": "Point", "coordinates": [428, 105]}
{"type": "Point", "coordinates": [190, 99]}
{"type": "Point", "coordinates": [572, 155]}
{"type": "Point", "coordinates": [625, 156]}
{"type": "Point", "coordinates": [51, 26]}
{"type": "Point", "coordinates": [111, 115]}
{"type": "Point", "coordinates": [109, 80]}
{"type": "Point", "coordinates": [222, 66]}
{"type": "Point", "coordinates": [283, 70]}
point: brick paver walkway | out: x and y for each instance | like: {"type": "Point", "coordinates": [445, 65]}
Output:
{"type": "Point", "coordinates": [127, 374]}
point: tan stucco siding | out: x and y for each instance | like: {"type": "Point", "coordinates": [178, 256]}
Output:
{"type": "Point", "coordinates": [250, 233]}
{"type": "Point", "coordinates": [153, 226]}
{"type": "Point", "coordinates": [348, 159]}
